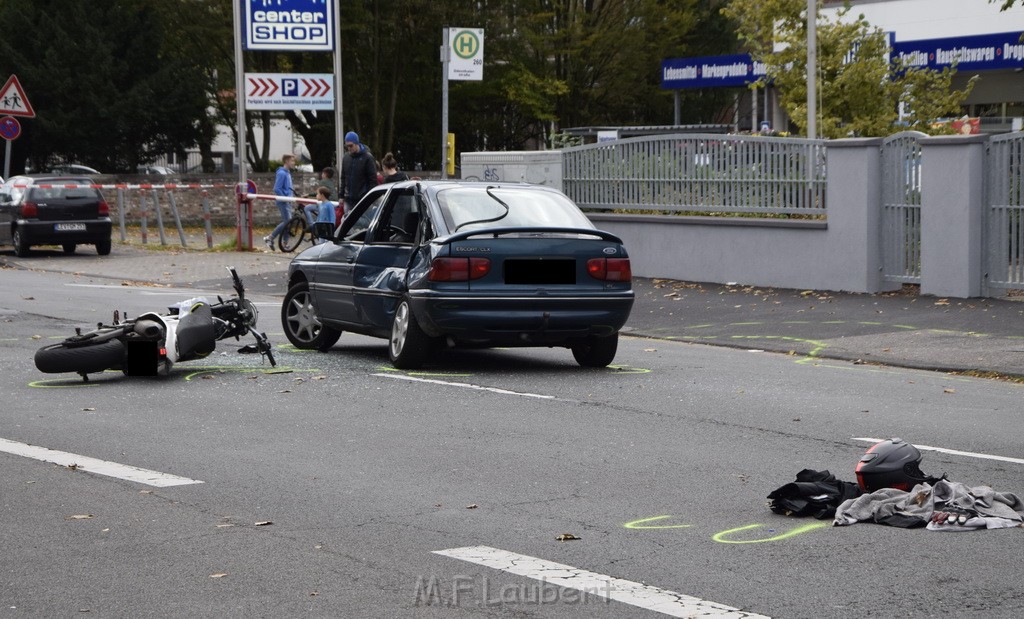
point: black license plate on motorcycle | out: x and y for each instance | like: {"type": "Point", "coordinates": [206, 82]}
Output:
{"type": "Point", "coordinates": [142, 359]}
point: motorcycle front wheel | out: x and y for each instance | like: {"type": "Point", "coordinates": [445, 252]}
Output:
{"type": "Point", "coordinates": [89, 359]}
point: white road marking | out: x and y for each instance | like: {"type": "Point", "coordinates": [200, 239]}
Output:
{"type": "Point", "coordinates": [955, 452]}
{"type": "Point", "coordinates": [591, 583]}
{"type": "Point", "coordinates": [416, 379]}
{"type": "Point", "coordinates": [93, 465]}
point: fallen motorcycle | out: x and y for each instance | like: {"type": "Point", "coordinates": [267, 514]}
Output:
{"type": "Point", "coordinates": [150, 344]}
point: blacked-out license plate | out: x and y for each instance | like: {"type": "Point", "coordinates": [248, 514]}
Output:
{"type": "Point", "coordinates": [69, 227]}
{"type": "Point", "coordinates": [540, 272]}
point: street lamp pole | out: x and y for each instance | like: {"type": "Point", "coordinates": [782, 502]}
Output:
{"type": "Point", "coordinates": [812, 68]}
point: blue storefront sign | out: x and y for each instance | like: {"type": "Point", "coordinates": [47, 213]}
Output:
{"type": "Point", "coordinates": [971, 53]}
{"type": "Point", "coordinates": [282, 25]}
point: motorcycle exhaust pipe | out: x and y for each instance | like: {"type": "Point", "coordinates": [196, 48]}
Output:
{"type": "Point", "coordinates": [149, 328]}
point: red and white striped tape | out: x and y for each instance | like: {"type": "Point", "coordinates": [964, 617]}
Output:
{"type": "Point", "coordinates": [125, 186]}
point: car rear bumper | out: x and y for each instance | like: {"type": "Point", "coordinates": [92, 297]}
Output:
{"type": "Point", "coordinates": [47, 232]}
{"type": "Point", "coordinates": [521, 320]}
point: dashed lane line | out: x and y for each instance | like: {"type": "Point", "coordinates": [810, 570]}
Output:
{"type": "Point", "coordinates": [954, 452]}
{"type": "Point", "coordinates": [93, 465]}
{"type": "Point", "coordinates": [416, 379]}
{"type": "Point", "coordinates": [592, 583]}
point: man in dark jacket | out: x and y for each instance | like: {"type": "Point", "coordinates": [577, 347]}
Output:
{"type": "Point", "coordinates": [358, 171]}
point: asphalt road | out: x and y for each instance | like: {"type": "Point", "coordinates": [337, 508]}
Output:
{"type": "Point", "coordinates": [359, 474]}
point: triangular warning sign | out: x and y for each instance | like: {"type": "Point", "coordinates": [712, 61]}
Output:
{"type": "Point", "coordinates": [13, 101]}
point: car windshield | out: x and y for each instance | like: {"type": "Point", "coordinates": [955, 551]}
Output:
{"type": "Point", "coordinates": [472, 208]}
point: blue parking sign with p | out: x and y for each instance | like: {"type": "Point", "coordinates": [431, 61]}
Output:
{"type": "Point", "coordinates": [306, 25]}
{"type": "Point", "coordinates": [290, 87]}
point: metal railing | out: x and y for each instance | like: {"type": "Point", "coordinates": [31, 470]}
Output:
{"type": "Point", "coordinates": [699, 174]}
{"type": "Point", "coordinates": [901, 207]}
{"type": "Point", "coordinates": [1004, 230]}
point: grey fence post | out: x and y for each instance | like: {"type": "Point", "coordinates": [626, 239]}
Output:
{"type": "Point", "coordinates": [952, 215]}
{"type": "Point", "coordinates": [159, 217]}
{"type": "Point", "coordinates": [177, 217]}
{"type": "Point", "coordinates": [120, 213]}
{"type": "Point", "coordinates": [143, 217]}
{"type": "Point", "coordinates": [854, 199]}
{"type": "Point", "coordinates": [206, 219]}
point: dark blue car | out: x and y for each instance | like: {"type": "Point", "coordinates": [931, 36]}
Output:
{"type": "Point", "coordinates": [458, 264]}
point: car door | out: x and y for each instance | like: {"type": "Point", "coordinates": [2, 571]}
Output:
{"type": "Point", "coordinates": [379, 274]}
{"type": "Point", "coordinates": [334, 274]}
{"type": "Point", "coordinates": [7, 208]}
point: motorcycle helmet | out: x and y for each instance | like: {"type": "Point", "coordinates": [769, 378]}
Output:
{"type": "Point", "coordinates": [894, 463]}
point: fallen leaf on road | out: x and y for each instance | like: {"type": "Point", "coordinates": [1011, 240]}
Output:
{"type": "Point", "coordinates": [219, 575]}
{"type": "Point", "coordinates": [319, 378]}
{"type": "Point", "coordinates": [949, 391]}
{"type": "Point", "coordinates": [942, 302]}
{"type": "Point", "coordinates": [28, 298]}
{"type": "Point", "coordinates": [263, 523]}
{"type": "Point", "coordinates": [650, 350]}
{"type": "Point", "coordinates": [89, 409]}
{"type": "Point", "coordinates": [473, 506]}
{"type": "Point", "coordinates": [73, 467]}
{"type": "Point", "coordinates": [565, 537]}
{"type": "Point", "coordinates": [37, 337]}
{"type": "Point", "coordinates": [285, 391]}
{"type": "Point", "coordinates": [225, 525]}
{"type": "Point", "coordinates": [81, 517]}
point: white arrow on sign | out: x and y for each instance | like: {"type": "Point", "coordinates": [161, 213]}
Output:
{"type": "Point", "coordinates": [289, 91]}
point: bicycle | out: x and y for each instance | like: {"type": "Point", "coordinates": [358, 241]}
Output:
{"type": "Point", "coordinates": [296, 230]}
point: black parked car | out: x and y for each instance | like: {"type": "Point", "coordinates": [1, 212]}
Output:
{"type": "Point", "coordinates": [53, 210]}
{"type": "Point", "coordinates": [446, 263]}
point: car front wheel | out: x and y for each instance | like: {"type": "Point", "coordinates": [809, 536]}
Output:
{"type": "Point", "coordinates": [409, 345]}
{"type": "Point", "coordinates": [301, 324]}
{"type": "Point", "coordinates": [596, 352]}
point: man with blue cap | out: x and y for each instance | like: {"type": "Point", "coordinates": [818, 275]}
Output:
{"type": "Point", "coordinates": [358, 171]}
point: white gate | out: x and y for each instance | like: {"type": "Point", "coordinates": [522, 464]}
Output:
{"type": "Point", "coordinates": [901, 207]}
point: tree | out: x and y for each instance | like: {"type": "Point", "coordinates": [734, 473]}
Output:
{"type": "Point", "coordinates": [103, 80]}
{"type": "Point", "coordinates": [859, 87]}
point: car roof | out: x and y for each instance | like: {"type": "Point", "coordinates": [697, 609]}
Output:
{"type": "Point", "coordinates": [37, 179]}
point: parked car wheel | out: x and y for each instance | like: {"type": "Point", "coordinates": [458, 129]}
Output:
{"type": "Point", "coordinates": [596, 352]}
{"type": "Point", "coordinates": [103, 247]}
{"type": "Point", "coordinates": [409, 345]}
{"type": "Point", "coordinates": [20, 244]}
{"type": "Point", "coordinates": [301, 325]}
{"type": "Point", "coordinates": [69, 248]}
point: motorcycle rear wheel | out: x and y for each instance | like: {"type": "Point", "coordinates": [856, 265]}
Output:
{"type": "Point", "coordinates": [58, 358]}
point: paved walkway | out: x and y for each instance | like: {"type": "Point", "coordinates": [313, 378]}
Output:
{"type": "Point", "coordinates": [901, 328]}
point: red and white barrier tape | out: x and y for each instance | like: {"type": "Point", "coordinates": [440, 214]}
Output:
{"type": "Point", "coordinates": [126, 186]}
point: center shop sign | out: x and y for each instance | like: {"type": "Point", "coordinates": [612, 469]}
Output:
{"type": "Point", "coordinates": [297, 25]}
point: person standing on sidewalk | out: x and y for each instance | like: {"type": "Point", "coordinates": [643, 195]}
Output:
{"type": "Point", "coordinates": [358, 171]}
{"type": "Point", "coordinates": [282, 187]}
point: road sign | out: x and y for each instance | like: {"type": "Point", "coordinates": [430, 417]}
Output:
{"type": "Point", "coordinates": [10, 128]}
{"type": "Point", "coordinates": [304, 25]}
{"type": "Point", "coordinates": [466, 54]}
{"type": "Point", "coordinates": [289, 91]}
{"type": "Point", "coordinates": [13, 100]}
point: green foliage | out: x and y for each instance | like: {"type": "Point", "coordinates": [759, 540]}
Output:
{"type": "Point", "coordinates": [103, 78]}
{"type": "Point", "coordinates": [858, 87]}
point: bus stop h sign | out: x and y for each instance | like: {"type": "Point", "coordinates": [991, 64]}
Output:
{"type": "Point", "coordinates": [301, 25]}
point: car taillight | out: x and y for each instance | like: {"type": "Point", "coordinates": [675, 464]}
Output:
{"type": "Point", "coordinates": [458, 269]}
{"type": "Point", "coordinates": [610, 269]}
{"type": "Point", "coordinates": [29, 209]}
{"type": "Point", "coordinates": [104, 208]}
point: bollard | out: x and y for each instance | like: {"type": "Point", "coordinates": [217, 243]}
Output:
{"type": "Point", "coordinates": [177, 217]}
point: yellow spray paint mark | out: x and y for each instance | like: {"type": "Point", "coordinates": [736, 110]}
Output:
{"type": "Point", "coordinates": [817, 346]}
{"type": "Point", "coordinates": [722, 535]}
{"type": "Point", "coordinates": [641, 524]}
{"type": "Point", "coordinates": [627, 369]}
{"type": "Point", "coordinates": [59, 383]}
{"type": "Point", "coordinates": [237, 369]}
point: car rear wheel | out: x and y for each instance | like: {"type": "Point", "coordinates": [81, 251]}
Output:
{"type": "Point", "coordinates": [596, 352]}
{"type": "Point", "coordinates": [409, 345]}
{"type": "Point", "coordinates": [20, 244]}
{"type": "Point", "coordinates": [103, 247]}
{"type": "Point", "coordinates": [301, 325]}
{"type": "Point", "coordinates": [69, 248]}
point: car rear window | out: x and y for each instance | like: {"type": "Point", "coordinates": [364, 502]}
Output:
{"type": "Point", "coordinates": [63, 193]}
{"type": "Point", "coordinates": [471, 208]}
